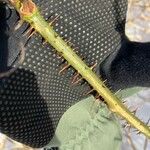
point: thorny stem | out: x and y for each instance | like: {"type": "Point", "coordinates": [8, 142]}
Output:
{"type": "Point", "coordinates": [29, 13]}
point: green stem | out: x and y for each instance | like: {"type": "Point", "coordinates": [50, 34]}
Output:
{"type": "Point", "coordinates": [114, 104]}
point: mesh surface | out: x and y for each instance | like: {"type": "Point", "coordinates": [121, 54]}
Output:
{"type": "Point", "coordinates": [128, 67]}
{"type": "Point", "coordinates": [35, 96]}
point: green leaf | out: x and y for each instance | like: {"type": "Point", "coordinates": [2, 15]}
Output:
{"type": "Point", "coordinates": [88, 125]}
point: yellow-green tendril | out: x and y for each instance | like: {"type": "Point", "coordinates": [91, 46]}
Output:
{"type": "Point", "coordinates": [29, 13]}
